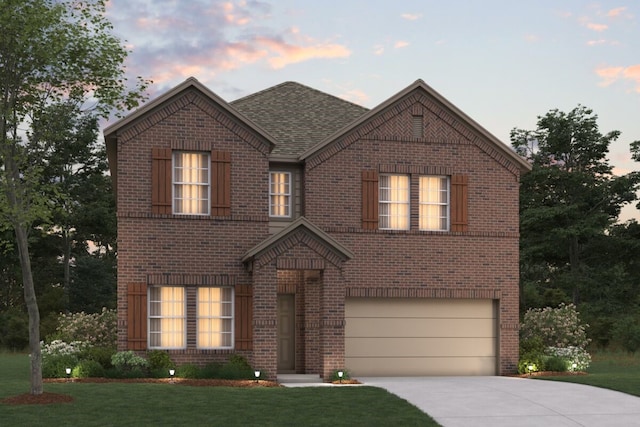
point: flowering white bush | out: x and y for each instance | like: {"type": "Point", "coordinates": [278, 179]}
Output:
{"type": "Point", "coordinates": [61, 348]}
{"type": "Point", "coordinates": [571, 354]}
{"type": "Point", "coordinates": [556, 327]}
{"type": "Point", "coordinates": [59, 355]}
{"type": "Point", "coordinates": [97, 329]}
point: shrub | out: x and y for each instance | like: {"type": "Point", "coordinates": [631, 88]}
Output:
{"type": "Point", "coordinates": [571, 355]}
{"type": "Point", "coordinates": [533, 360]}
{"type": "Point", "coordinates": [102, 355]}
{"type": "Point", "coordinates": [88, 369]}
{"type": "Point", "coordinates": [627, 332]}
{"type": "Point", "coordinates": [236, 368]}
{"type": "Point", "coordinates": [556, 327]}
{"type": "Point", "coordinates": [556, 364]}
{"type": "Point", "coordinates": [160, 360]}
{"type": "Point", "coordinates": [59, 355]}
{"type": "Point", "coordinates": [98, 329]}
{"type": "Point", "coordinates": [14, 329]}
{"type": "Point", "coordinates": [128, 362]}
{"type": "Point", "coordinates": [188, 371]}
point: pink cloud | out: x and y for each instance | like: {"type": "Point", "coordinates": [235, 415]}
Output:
{"type": "Point", "coordinates": [287, 53]}
{"type": "Point", "coordinates": [378, 50]}
{"type": "Point", "coordinates": [400, 44]}
{"type": "Point", "coordinates": [597, 27]}
{"type": "Point", "coordinates": [356, 96]}
{"type": "Point", "coordinates": [611, 75]}
{"type": "Point", "coordinates": [613, 13]}
{"type": "Point", "coordinates": [596, 42]}
{"type": "Point", "coordinates": [411, 16]}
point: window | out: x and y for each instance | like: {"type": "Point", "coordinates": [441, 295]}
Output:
{"type": "Point", "coordinates": [394, 202]}
{"type": "Point", "coordinates": [280, 194]}
{"type": "Point", "coordinates": [215, 318]}
{"type": "Point", "coordinates": [434, 203]}
{"type": "Point", "coordinates": [191, 183]}
{"type": "Point", "coordinates": [166, 317]}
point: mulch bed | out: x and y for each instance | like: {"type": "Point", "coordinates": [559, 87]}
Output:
{"type": "Point", "coordinates": [551, 374]}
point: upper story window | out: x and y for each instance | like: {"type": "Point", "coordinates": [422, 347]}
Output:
{"type": "Point", "coordinates": [280, 194]}
{"type": "Point", "coordinates": [191, 183]}
{"type": "Point", "coordinates": [434, 203]}
{"type": "Point", "coordinates": [394, 202]}
{"type": "Point", "coordinates": [167, 317]}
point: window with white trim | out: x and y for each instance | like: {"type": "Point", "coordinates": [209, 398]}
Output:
{"type": "Point", "coordinates": [215, 318]}
{"type": "Point", "coordinates": [191, 179]}
{"type": "Point", "coordinates": [393, 200]}
{"type": "Point", "coordinates": [280, 194]}
{"type": "Point", "coordinates": [434, 203]}
{"type": "Point", "coordinates": [167, 320]}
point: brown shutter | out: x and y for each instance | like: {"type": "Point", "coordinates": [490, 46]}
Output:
{"type": "Point", "coordinates": [459, 203]}
{"type": "Point", "coordinates": [243, 317]}
{"type": "Point", "coordinates": [137, 316]}
{"type": "Point", "coordinates": [220, 183]}
{"type": "Point", "coordinates": [161, 181]}
{"type": "Point", "coordinates": [370, 199]}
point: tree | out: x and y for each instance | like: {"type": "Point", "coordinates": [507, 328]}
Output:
{"type": "Point", "coordinates": [568, 201]}
{"type": "Point", "coordinates": [50, 51]}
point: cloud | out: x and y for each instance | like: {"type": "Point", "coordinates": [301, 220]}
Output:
{"type": "Point", "coordinates": [173, 40]}
{"type": "Point", "coordinates": [614, 13]}
{"type": "Point", "coordinates": [400, 44]}
{"type": "Point", "coordinates": [411, 16]}
{"type": "Point", "coordinates": [378, 49]}
{"type": "Point", "coordinates": [612, 75]}
{"type": "Point", "coordinates": [596, 42]}
{"type": "Point", "coordinates": [531, 38]}
{"type": "Point", "coordinates": [356, 96]}
{"type": "Point", "coordinates": [597, 27]}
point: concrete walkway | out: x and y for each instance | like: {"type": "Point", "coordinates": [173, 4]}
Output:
{"type": "Point", "coordinates": [506, 401]}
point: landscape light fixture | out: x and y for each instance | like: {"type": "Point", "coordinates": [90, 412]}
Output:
{"type": "Point", "coordinates": [340, 375]}
{"type": "Point", "coordinates": [68, 371]}
{"type": "Point", "coordinates": [574, 366]}
{"type": "Point", "coordinates": [172, 372]}
{"type": "Point", "coordinates": [257, 375]}
{"type": "Point", "coordinates": [530, 369]}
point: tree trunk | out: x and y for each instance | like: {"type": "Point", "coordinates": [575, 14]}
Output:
{"type": "Point", "coordinates": [32, 309]}
{"type": "Point", "coordinates": [66, 261]}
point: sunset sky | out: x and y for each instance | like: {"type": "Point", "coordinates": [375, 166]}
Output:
{"type": "Point", "coordinates": [502, 62]}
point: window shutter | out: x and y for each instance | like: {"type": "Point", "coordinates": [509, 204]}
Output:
{"type": "Point", "coordinates": [220, 183]}
{"type": "Point", "coordinates": [137, 316]}
{"type": "Point", "coordinates": [459, 203]}
{"type": "Point", "coordinates": [370, 199]}
{"type": "Point", "coordinates": [243, 317]}
{"type": "Point", "coordinates": [161, 181]}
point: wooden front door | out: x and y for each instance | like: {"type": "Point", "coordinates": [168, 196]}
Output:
{"type": "Point", "coordinates": [286, 333]}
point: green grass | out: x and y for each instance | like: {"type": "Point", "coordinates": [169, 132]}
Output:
{"type": "Point", "coordinates": [171, 404]}
{"type": "Point", "coordinates": [613, 370]}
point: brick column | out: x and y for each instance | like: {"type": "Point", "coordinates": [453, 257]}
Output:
{"type": "Point", "coordinates": [265, 333]}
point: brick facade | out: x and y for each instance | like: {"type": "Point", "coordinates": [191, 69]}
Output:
{"type": "Point", "coordinates": [166, 249]}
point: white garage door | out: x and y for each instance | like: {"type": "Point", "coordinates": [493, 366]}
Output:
{"type": "Point", "coordinates": [407, 337]}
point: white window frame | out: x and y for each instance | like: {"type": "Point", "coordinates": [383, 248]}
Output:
{"type": "Point", "coordinates": [191, 184]}
{"type": "Point", "coordinates": [390, 208]}
{"type": "Point", "coordinates": [280, 199]}
{"type": "Point", "coordinates": [151, 317]}
{"type": "Point", "coordinates": [444, 221]}
{"type": "Point", "coordinates": [222, 317]}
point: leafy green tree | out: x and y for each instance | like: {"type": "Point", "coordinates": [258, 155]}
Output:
{"type": "Point", "coordinates": [50, 51]}
{"type": "Point", "coordinates": [567, 203]}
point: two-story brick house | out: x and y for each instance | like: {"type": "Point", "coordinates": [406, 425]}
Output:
{"type": "Point", "coordinates": [310, 234]}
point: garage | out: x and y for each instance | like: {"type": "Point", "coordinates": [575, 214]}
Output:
{"type": "Point", "coordinates": [409, 337]}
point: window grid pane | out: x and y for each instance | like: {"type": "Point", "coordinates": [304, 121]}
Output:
{"type": "Point", "coordinates": [394, 202]}
{"type": "Point", "coordinates": [280, 194]}
{"type": "Point", "coordinates": [166, 317]}
{"type": "Point", "coordinates": [434, 203]}
{"type": "Point", "coordinates": [215, 318]}
{"type": "Point", "coordinates": [191, 183]}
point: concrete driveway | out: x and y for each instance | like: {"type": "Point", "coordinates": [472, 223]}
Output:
{"type": "Point", "coordinates": [506, 401]}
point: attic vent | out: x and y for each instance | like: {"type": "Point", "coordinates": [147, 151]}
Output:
{"type": "Point", "coordinates": [417, 128]}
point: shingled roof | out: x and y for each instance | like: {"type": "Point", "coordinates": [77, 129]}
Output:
{"type": "Point", "coordinates": [297, 116]}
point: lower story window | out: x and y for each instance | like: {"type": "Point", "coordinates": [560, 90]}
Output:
{"type": "Point", "coordinates": [166, 317]}
{"type": "Point", "coordinates": [215, 318]}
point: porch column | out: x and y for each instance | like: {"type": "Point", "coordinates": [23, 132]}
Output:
{"type": "Point", "coordinates": [332, 323]}
{"type": "Point", "coordinates": [265, 333]}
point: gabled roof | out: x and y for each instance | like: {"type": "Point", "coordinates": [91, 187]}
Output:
{"type": "Point", "coordinates": [299, 223]}
{"type": "Point", "coordinates": [432, 93]}
{"type": "Point", "coordinates": [297, 116]}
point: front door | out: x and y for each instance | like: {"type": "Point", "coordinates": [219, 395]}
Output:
{"type": "Point", "coordinates": [286, 333]}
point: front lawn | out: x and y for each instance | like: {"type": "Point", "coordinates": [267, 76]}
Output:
{"type": "Point", "coordinates": [612, 370]}
{"type": "Point", "coordinates": [173, 404]}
